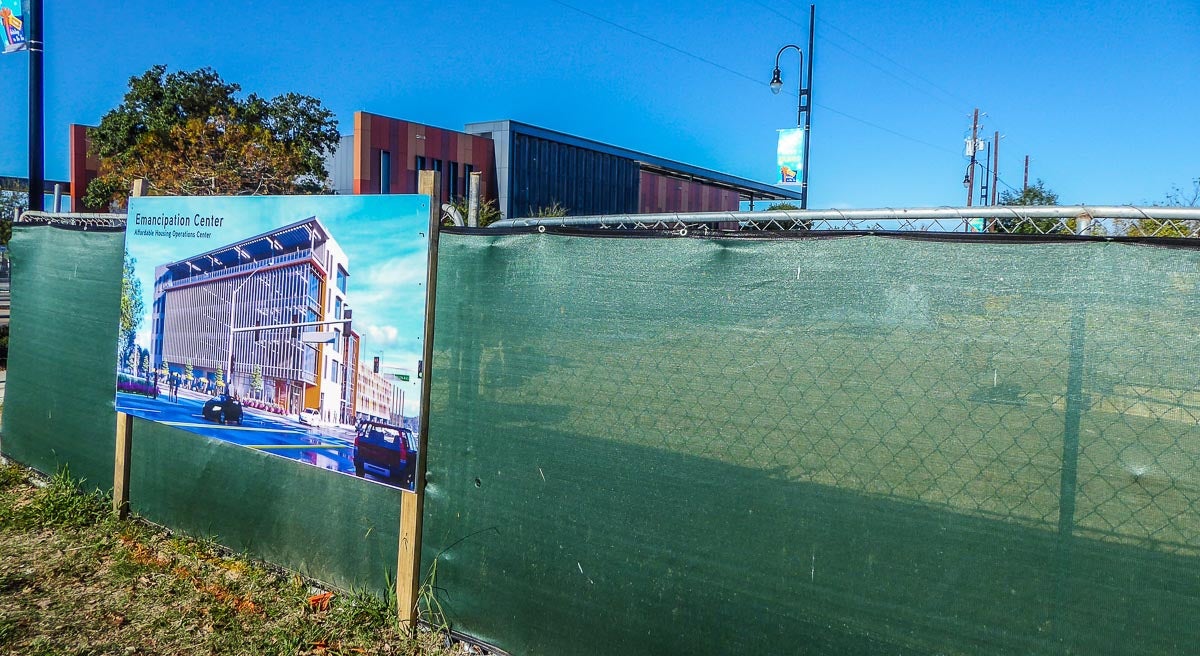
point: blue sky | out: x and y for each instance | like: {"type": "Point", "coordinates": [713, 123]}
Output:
{"type": "Point", "coordinates": [383, 238]}
{"type": "Point", "coordinates": [1101, 95]}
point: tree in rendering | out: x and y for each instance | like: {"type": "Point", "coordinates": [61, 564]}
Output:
{"type": "Point", "coordinates": [132, 308]}
{"type": "Point", "coordinates": [188, 133]}
{"type": "Point", "coordinates": [256, 380]}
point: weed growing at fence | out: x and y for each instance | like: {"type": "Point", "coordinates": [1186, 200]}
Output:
{"type": "Point", "coordinates": [74, 580]}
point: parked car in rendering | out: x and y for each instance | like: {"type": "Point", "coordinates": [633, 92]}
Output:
{"type": "Point", "coordinates": [311, 417]}
{"type": "Point", "coordinates": [385, 451]}
{"type": "Point", "coordinates": [223, 409]}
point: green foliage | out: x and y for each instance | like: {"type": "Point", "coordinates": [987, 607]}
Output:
{"type": "Point", "coordinates": [188, 133]}
{"type": "Point", "coordinates": [256, 379]}
{"type": "Point", "coordinates": [488, 212]}
{"type": "Point", "coordinates": [10, 475]}
{"type": "Point", "coordinates": [132, 308]}
{"type": "Point", "coordinates": [63, 503]}
{"type": "Point", "coordinates": [10, 201]}
{"type": "Point", "coordinates": [1034, 195]}
{"type": "Point", "coordinates": [188, 373]}
{"type": "Point", "coordinates": [552, 211]}
{"type": "Point", "coordinates": [1177, 197]}
{"type": "Point", "coordinates": [220, 379]}
{"type": "Point", "coordinates": [776, 225]}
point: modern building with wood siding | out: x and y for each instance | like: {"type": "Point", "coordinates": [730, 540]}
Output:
{"type": "Point", "coordinates": [523, 168]}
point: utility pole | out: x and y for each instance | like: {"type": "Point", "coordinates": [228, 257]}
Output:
{"type": "Point", "coordinates": [971, 148]}
{"type": "Point", "coordinates": [995, 167]}
{"type": "Point", "coordinates": [1025, 185]}
{"type": "Point", "coordinates": [983, 184]}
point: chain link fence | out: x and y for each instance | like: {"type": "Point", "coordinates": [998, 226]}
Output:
{"type": "Point", "coordinates": [1093, 221]}
{"type": "Point", "coordinates": [953, 447]}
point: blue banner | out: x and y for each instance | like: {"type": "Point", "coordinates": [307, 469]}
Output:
{"type": "Point", "coordinates": [791, 155]}
{"type": "Point", "coordinates": [12, 26]}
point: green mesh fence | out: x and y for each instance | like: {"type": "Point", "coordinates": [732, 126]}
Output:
{"type": "Point", "coordinates": [58, 405]}
{"type": "Point", "coordinates": [59, 411]}
{"type": "Point", "coordinates": [857, 445]}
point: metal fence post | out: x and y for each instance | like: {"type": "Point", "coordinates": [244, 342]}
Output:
{"type": "Point", "coordinates": [1068, 485]}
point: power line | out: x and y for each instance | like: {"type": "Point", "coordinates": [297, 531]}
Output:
{"type": "Point", "coordinates": [756, 81]}
{"type": "Point", "coordinates": [910, 71]}
{"type": "Point", "coordinates": [661, 43]}
{"type": "Point", "coordinates": [955, 107]}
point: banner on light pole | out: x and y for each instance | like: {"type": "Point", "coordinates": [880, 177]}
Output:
{"type": "Point", "coordinates": [791, 155]}
{"type": "Point", "coordinates": [12, 26]}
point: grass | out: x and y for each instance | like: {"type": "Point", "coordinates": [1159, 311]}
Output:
{"type": "Point", "coordinates": [75, 580]}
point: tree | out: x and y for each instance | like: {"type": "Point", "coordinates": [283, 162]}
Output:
{"type": "Point", "coordinates": [256, 380]}
{"type": "Point", "coordinates": [780, 225]}
{"type": "Point", "coordinates": [1184, 198]}
{"type": "Point", "coordinates": [1036, 194]}
{"type": "Point", "coordinates": [189, 374]}
{"type": "Point", "coordinates": [188, 133]}
{"type": "Point", "coordinates": [220, 379]}
{"type": "Point", "coordinates": [11, 201]}
{"type": "Point", "coordinates": [132, 308]}
{"type": "Point", "coordinates": [144, 365]}
{"type": "Point", "coordinates": [1177, 197]}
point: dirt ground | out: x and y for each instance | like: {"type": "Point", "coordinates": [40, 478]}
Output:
{"type": "Point", "coordinates": [74, 580]}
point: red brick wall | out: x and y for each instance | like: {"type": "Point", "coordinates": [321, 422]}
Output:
{"type": "Point", "coordinates": [660, 193]}
{"type": "Point", "coordinates": [83, 168]}
{"type": "Point", "coordinates": [405, 141]}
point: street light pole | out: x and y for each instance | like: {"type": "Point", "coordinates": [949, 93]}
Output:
{"type": "Point", "coordinates": [37, 128]}
{"type": "Point", "coordinates": [804, 104]}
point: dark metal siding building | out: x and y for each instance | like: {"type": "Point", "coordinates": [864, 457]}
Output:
{"type": "Point", "coordinates": [538, 168]}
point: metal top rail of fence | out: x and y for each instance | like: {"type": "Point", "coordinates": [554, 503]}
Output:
{"type": "Point", "coordinates": [1087, 220]}
{"type": "Point", "coordinates": [1090, 220]}
{"type": "Point", "coordinates": [76, 220]}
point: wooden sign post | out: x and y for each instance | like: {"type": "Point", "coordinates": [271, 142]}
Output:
{"type": "Point", "coordinates": [412, 506]}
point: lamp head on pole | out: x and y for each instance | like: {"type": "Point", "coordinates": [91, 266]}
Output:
{"type": "Point", "coordinates": [776, 81]}
{"type": "Point", "coordinates": [966, 181]}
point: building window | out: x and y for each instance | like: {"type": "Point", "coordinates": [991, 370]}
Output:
{"type": "Point", "coordinates": [437, 192]}
{"type": "Point", "coordinates": [314, 288]}
{"type": "Point", "coordinates": [341, 278]}
{"type": "Point", "coordinates": [420, 166]}
{"type": "Point", "coordinates": [337, 342]}
{"type": "Point", "coordinates": [337, 308]}
{"type": "Point", "coordinates": [453, 178]}
{"type": "Point", "coordinates": [385, 172]}
{"type": "Point", "coordinates": [467, 171]}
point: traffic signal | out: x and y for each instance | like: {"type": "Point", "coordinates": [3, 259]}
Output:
{"type": "Point", "coordinates": [376, 364]}
{"type": "Point", "coordinates": [346, 325]}
{"type": "Point", "coordinates": [420, 368]}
